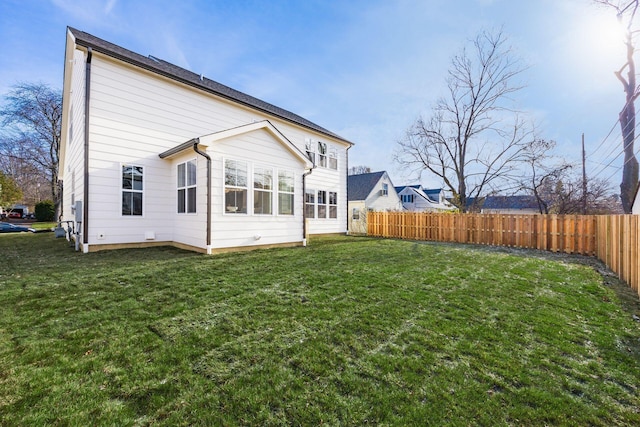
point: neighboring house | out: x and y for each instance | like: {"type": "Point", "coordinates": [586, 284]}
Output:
{"type": "Point", "coordinates": [635, 208]}
{"type": "Point", "coordinates": [416, 198]}
{"type": "Point", "coordinates": [508, 205]}
{"type": "Point", "coordinates": [153, 154]}
{"type": "Point", "coordinates": [369, 192]}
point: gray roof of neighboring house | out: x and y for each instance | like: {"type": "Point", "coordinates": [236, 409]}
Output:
{"type": "Point", "coordinates": [359, 186]}
{"type": "Point", "coordinates": [402, 187]}
{"type": "Point", "coordinates": [507, 202]}
{"type": "Point", "coordinates": [433, 192]}
{"type": "Point", "coordinates": [174, 72]}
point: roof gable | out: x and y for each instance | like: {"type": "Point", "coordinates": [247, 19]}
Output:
{"type": "Point", "coordinates": [166, 69]}
{"type": "Point", "coordinates": [360, 186]}
{"type": "Point", "coordinates": [207, 140]}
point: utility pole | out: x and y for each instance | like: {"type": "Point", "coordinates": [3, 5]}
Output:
{"type": "Point", "coordinates": [584, 180]}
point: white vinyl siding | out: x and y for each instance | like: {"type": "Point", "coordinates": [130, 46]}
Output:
{"type": "Point", "coordinates": [136, 115]}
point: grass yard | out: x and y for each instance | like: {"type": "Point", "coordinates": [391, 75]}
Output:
{"type": "Point", "coordinates": [348, 331]}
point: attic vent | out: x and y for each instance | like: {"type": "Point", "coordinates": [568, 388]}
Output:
{"type": "Point", "coordinates": [201, 77]}
{"type": "Point", "coordinates": [153, 58]}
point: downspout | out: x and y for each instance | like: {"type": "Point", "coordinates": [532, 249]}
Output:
{"type": "Point", "coordinates": [206, 156]}
{"type": "Point", "coordinates": [87, 93]}
{"type": "Point", "coordinates": [304, 210]}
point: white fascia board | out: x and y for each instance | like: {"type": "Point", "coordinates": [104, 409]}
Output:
{"type": "Point", "coordinates": [251, 127]}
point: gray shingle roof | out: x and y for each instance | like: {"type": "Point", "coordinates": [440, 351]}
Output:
{"type": "Point", "coordinates": [174, 72]}
{"type": "Point", "coordinates": [506, 202]}
{"type": "Point", "coordinates": [360, 186]}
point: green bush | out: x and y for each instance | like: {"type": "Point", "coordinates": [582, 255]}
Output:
{"type": "Point", "coordinates": [45, 211]}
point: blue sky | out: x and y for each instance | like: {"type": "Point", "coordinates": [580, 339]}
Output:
{"type": "Point", "coordinates": [365, 69]}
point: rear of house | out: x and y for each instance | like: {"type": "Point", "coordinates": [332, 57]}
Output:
{"type": "Point", "coordinates": [154, 154]}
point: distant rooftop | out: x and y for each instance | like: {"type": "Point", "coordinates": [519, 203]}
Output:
{"type": "Point", "coordinates": [360, 186]}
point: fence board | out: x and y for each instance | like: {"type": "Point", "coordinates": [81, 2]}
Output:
{"type": "Point", "coordinates": [614, 239]}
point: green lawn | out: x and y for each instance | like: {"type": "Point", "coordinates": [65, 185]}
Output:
{"type": "Point", "coordinates": [348, 331]}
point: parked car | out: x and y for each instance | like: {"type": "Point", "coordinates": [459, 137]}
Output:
{"type": "Point", "coordinates": [6, 227]}
{"type": "Point", "coordinates": [15, 215]}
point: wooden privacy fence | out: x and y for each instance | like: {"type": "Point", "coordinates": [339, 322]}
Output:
{"type": "Point", "coordinates": [614, 239]}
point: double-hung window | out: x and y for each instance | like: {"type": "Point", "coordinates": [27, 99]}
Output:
{"type": "Point", "coordinates": [385, 190]}
{"type": "Point", "coordinates": [309, 204]}
{"type": "Point", "coordinates": [311, 152]}
{"type": "Point", "coordinates": [132, 190]}
{"type": "Point", "coordinates": [187, 187]}
{"type": "Point", "coordinates": [285, 192]}
{"type": "Point", "coordinates": [333, 158]}
{"type": "Point", "coordinates": [235, 186]}
{"type": "Point", "coordinates": [262, 191]}
{"type": "Point", "coordinates": [322, 154]}
{"type": "Point", "coordinates": [333, 204]}
{"type": "Point", "coordinates": [322, 204]}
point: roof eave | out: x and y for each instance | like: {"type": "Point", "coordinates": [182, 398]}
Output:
{"type": "Point", "coordinates": [97, 48]}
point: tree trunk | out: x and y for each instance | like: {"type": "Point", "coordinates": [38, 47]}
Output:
{"type": "Point", "coordinates": [628, 126]}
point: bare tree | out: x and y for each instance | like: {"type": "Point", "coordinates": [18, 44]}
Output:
{"type": "Point", "coordinates": [542, 169]}
{"type": "Point", "coordinates": [565, 196]}
{"type": "Point", "coordinates": [32, 116]}
{"type": "Point", "coordinates": [626, 11]}
{"type": "Point", "coordinates": [474, 140]}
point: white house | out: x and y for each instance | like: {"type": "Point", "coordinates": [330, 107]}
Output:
{"type": "Point", "coordinates": [635, 209]}
{"type": "Point", "coordinates": [369, 192]}
{"type": "Point", "coordinates": [419, 199]}
{"type": "Point", "coordinates": [153, 154]}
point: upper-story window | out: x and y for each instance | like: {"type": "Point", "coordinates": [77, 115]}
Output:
{"type": "Point", "coordinates": [132, 190]}
{"type": "Point", "coordinates": [333, 158]}
{"type": "Point", "coordinates": [186, 177]}
{"type": "Point", "coordinates": [385, 190]}
{"type": "Point", "coordinates": [311, 150]}
{"type": "Point", "coordinates": [321, 154]}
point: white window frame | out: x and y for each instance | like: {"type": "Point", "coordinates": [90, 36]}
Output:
{"type": "Point", "coordinates": [322, 211]}
{"type": "Point", "coordinates": [310, 202]}
{"type": "Point", "coordinates": [333, 158]}
{"type": "Point", "coordinates": [235, 187]}
{"type": "Point", "coordinates": [267, 191]}
{"type": "Point", "coordinates": [322, 154]}
{"type": "Point", "coordinates": [332, 199]}
{"type": "Point", "coordinates": [309, 146]}
{"type": "Point", "coordinates": [188, 186]}
{"type": "Point", "coordinates": [284, 192]}
{"type": "Point", "coordinates": [385, 189]}
{"type": "Point", "coordinates": [131, 191]}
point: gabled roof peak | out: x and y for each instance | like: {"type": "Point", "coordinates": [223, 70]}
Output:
{"type": "Point", "coordinates": [174, 72]}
